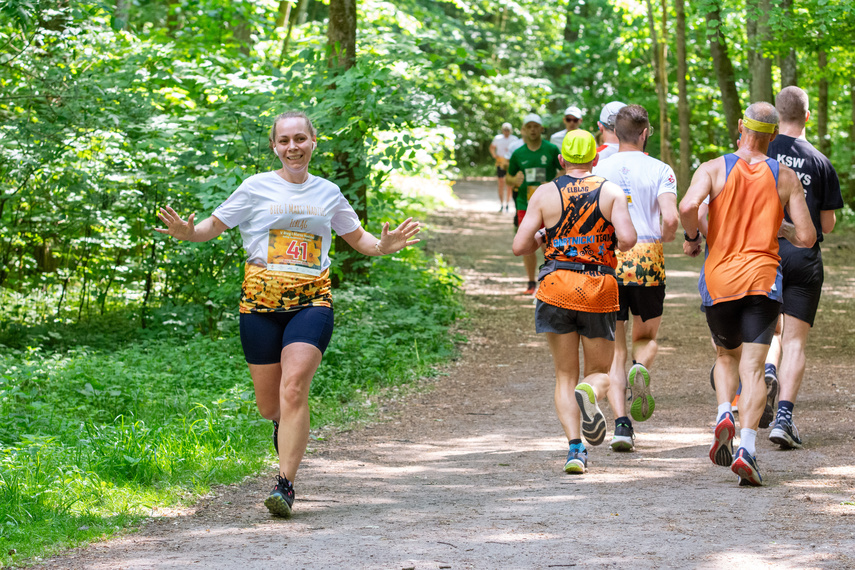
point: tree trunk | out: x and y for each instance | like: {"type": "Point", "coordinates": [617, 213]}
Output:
{"type": "Point", "coordinates": [760, 67]}
{"type": "Point", "coordinates": [301, 13]}
{"type": "Point", "coordinates": [822, 105]}
{"type": "Point", "coordinates": [242, 30]}
{"type": "Point", "coordinates": [789, 69]}
{"type": "Point", "coordinates": [724, 72]}
{"type": "Point", "coordinates": [661, 78]}
{"type": "Point", "coordinates": [284, 13]}
{"type": "Point", "coordinates": [851, 197]}
{"type": "Point", "coordinates": [787, 60]}
{"type": "Point", "coordinates": [341, 34]}
{"type": "Point", "coordinates": [341, 56]}
{"type": "Point", "coordinates": [683, 111]}
{"type": "Point", "coordinates": [571, 34]}
{"type": "Point", "coordinates": [121, 14]}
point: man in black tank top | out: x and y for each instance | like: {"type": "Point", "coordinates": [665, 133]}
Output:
{"type": "Point", "coordinates": [801, 267]}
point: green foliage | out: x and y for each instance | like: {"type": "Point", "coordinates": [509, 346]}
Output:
{"type": "Point", "coordinates": [96, 436]}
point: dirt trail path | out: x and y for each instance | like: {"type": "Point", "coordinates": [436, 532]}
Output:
{"type": "Point", "coordinates": [469, 475]}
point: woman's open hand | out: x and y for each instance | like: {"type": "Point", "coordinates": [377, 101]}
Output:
{"type": "Point", "coordinates": [399, 238]}
{"type": "Point", "coordinates": [175, 226]}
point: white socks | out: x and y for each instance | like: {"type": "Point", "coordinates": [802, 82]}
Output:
{"type": "Point", "coordinates": [722, 409]}
{"type": "Point", "coordinates": [747, 438]}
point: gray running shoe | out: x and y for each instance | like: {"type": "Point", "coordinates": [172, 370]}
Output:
{"type": "Point", "coordinates": [786, 435]}
{"type": "Point", "coordinates": [623, 438]}
{"type": "Point", "coordinates": [593, 421]}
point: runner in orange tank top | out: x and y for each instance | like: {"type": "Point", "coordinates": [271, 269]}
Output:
{"type": "Point", "coordinates": [744, 262]}
{"type": "Point", "coordinates": [740, 285]}
{"type": "Point", "coordinates": [582, 235]}
{"type": "Point", "coordinates": [586, 217]}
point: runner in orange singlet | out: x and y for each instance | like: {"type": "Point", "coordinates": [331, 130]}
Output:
{"type": "Point", "coordinates": [585, 218]}
{"type": "Point", "coordinates": [740, 281]}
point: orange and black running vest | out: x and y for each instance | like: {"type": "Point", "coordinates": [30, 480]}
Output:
{"type": "Point", "coordinates": [584, 241]}
{"type": "Point", "coordinates": [742, 242]}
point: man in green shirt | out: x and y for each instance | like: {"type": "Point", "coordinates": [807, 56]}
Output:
{"type": "Point", "coordinates": [531, 165]}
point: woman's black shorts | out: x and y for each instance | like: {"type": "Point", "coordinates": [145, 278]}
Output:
{"type": "Point", "coordinates": [264, 335]}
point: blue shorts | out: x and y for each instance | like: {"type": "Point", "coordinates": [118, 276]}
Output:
{"type": "Point", "coordinates": [264, 335]}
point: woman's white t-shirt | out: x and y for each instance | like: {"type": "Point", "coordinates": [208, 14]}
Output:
{"type": "Point", "coordinates": [286, 231]}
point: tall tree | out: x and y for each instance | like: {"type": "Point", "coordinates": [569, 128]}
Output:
{"type": "Point", "coordinates": [723, 70]}
{"type": "Point", "coordinates": [758, 33]}
{"type": "Point", "coordinates": [341, 56]}
{"type": "Point", "coordinates": [822, 104]}
{"type": "Point", "coordinates": [121, 14]}
{"type": "Point", "coordinates": [787, 60]}
{"type": "Point", "coordinates": [576, 17]}
{"type": "Point", "coordinates": [852, 138]}
{"type": "Point", "coordinates": [341, 34]}
{"type": "Point", "coordinates": [684, 114]}
{"type": "Point", "coordinates": [661, 78]}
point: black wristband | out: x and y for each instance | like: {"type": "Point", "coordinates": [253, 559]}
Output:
{"type": "Point", "coordinates": [696, 238]}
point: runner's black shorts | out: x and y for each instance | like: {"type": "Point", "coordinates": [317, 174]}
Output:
{"type": "Point", "coordinates": [803, 275]}
{"type": "Point", "coordinates": [645, 302]}
{"type": "Point", "coordinates": [551, 319]}
{"type": "Point", "coordinates": [500, 172]}
{"type": "Point", "coordinates": [264, 335]}
{"type": "Point", "coordinates": [749, 319]}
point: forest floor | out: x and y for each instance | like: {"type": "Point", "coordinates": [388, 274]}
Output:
{"type": "Point", "coordinates": [467, 471]}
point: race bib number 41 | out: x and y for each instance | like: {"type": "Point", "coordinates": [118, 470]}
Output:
{"type": "Point", "coordinates": [294, 252]}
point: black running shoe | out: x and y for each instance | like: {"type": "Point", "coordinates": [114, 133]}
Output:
{"type": "Point", "coordinates": [276, 436]}
{"type": "Point", "coordinates": [622, 440]}
{"type": "Point", "coordinates": [786, 435]}
{"type": "Point", "coordinates": [281, 499]}
{"type": "Point", "coordinates": [771, 394]}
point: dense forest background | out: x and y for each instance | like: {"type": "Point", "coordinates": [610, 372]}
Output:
{"type": "Point", "coordinates": [122, 382]}
{"type": "Point", "coordinates": [112, 109]}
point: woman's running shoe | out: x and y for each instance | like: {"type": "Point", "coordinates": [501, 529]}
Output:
{"type": "Point", "coordinates": [281, 499]}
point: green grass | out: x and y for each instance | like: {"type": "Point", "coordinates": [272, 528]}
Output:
{"type": "Point", "coordinates": [104, 422]}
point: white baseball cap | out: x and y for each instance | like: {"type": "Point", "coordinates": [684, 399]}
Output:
{"type": "Point", "coordinates": [532, 118]}
{"type": "Point", "coordinates": [575, 111]}
{"type": "Point", "coordinates": [507, 126]}
{"type": "Point", "coordinates": [609, 112]}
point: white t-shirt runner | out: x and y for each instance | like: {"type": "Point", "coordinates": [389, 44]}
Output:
{"type": "Point", "coordinates": [503, 145]}
{"type": "Point", "coordinates": [643, 179]}
{"type": "Point", "coordinates": [286, 232]}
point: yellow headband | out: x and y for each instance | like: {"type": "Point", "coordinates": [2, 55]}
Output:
{"type": "Point", "coordinates": [759, 126]}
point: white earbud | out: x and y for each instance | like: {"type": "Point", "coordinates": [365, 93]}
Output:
{"type": "Point", "coordinates": [314, 145]}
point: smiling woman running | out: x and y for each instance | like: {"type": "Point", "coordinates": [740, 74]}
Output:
{"type": "Point", "coordinates": [286, 316]}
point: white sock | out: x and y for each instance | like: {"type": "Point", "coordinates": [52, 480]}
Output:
{"type": "Point", "coordinates": [723, 409]}
{"type": "Point", "coordinates": [747, 438]}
